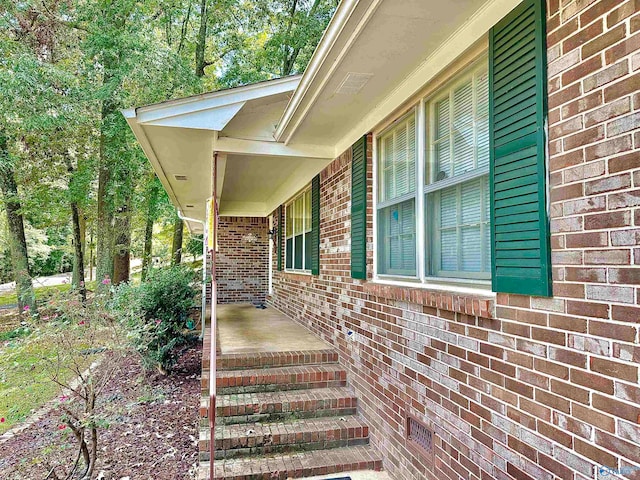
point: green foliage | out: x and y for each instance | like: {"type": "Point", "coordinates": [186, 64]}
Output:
{"type": "Point", "coordinates": [273, 38]}
{"type": "Point", "coordinates": [194, 245]}
{"type": "Point", "coordinates": [155, 313]}
{"type": "Point", "coordinates": [66, 70]}
{"type": "Point", "coordinates": [16, 333]}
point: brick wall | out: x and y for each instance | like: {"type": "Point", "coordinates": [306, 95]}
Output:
{"type": "Point", "coordinates": [515, 387]}
{"type": "Point", "coordinates": [242, 260]}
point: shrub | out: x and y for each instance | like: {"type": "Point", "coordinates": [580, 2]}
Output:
{"type": "Point", "coordinates": [155, 313]}
{"type": "Point", "coordinates": [81, 350]}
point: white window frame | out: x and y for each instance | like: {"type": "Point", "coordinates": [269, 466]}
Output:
{"type": "Point", "coordinates": [403, 198]}
{"type": "Point", "coordinates": [423, 142]}
{"type": "Point", "coordinates": [305, 268]}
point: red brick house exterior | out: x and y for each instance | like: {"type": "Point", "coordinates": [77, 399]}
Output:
{"type": "Point", "coordinates": [515, 387]}
{"type": "Point", "coordinates": [242, 260]}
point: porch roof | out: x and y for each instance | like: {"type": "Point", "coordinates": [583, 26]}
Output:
{"type": "Point", "coordinates": [272, 137]}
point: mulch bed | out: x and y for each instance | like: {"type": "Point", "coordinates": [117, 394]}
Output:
{"type": "Point", "coordinates": [153, 431]}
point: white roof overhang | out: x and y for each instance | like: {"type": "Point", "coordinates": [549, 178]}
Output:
{"type": "Point", "coordinates": [182, 137]}
{"type": "Point", "coordinates": [272, 137]}
{"type": "Point", "coordinates": [391, 50]}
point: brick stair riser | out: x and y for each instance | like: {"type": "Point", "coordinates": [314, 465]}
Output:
{"type": "Point", "coordinates": [295, 407]}
{"type": "Point", "coordinates": [286, 442]}
{"type": "Point", "coordinates": [303, 471]}
{"type": "Point", "coordinates": [276, 387]}
{"type": "Point", "coordinates": [272, 381]}
{"type": "Point", "coordinates": [280, 387]}
{"type": "Point", "coordinates": [268, 360]}
{"type": "Point", "coordinates": [291, 375]}
{"type": "Point", "coordinates": [270, 450]}
{"type": "Point", "coordinates": [279, 416]}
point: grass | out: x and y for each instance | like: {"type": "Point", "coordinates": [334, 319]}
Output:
{"type": "Point", "coordinates": [15, 334]}
{"type": "Point", "coordinates": [27, 366]}
{"type": "Point", "coordinates": [42, 293]}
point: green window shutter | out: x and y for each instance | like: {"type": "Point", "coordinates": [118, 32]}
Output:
{"type": "Point", "coordinates": [359, 209]}
{"type": "Point", "coordinates": [280, 235]}
{"type": "Point", "coordinates": [315, 225]}
{"type": "Point", "coordinates": [520, 250]}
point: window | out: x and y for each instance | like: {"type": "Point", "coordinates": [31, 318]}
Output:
{"type": "Point", "coordinates": [396, 199]}
{"type": "Point", "coordinates": [298, 232]}
{"type": "Point", "coordinates": [441, 211]}
{"type": "Point", "coordinates": [457, 180]}
{"type": "Point", "coordinates": [448, 199]}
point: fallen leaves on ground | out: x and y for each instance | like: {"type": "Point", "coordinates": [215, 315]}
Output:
{"type": "Point", "coordinates": [152, 434]}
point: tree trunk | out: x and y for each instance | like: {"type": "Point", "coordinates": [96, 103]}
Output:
{"type": "Point", "coordinates": [201, 40]}
{"type": "Point", "coordinates": [91, 265]}
{"type": "Point", "coordinates": [148, 241]}
{"type": "Point", "coordinates": [77, 221]}
{"type": "Point", "coordinates": [122, 245]}
{"type": "Point", "coordinates": [78, 250]}
{"type": "Point", "coordinates": [176, 247]}
{"type": "Point", "coordinates": [17, 239]}
{"type": "Point", "coordinates": [183, 30]}
{"type": "Point", "coordinates": [104, 223]}
{"type": "Point", "coordinates": [152, 200]}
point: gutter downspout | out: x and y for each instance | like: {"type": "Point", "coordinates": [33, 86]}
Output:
{"type": "Point", "coordinates": [203, 311]}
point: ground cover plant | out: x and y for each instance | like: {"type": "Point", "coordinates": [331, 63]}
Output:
{"type": "Point", "coordinates": [45, 352]}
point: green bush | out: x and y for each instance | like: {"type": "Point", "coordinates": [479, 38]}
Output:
{"type": "Point", "coordinates": [156, 312]}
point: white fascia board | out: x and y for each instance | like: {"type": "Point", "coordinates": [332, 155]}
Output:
{"type": "Point", "coordinates": [217, 99]}
{"type": "Point", "coordinates": [210, 119]}
{"type": "Point", "coordinates": [143, 140]}
{"type": "Point", "coordinates": [331, 35]}
{"type": "Point", "coordinates": [472, 31]}
{"type": "Point", "coordinates": [287, 127]}
{"type": "Point", "coordinates": [242, 209]}
{"type": "Point", "coordinates": [258, 147]}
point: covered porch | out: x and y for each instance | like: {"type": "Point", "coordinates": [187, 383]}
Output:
{"type": "Point", "coordinates": [283, 405]}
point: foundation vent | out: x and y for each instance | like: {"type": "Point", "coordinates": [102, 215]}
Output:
{"type": "Point", "coordinates": [420, 438]}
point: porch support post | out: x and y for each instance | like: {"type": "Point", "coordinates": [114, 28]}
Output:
{"type": "Point", "coordinates": [214, 301]}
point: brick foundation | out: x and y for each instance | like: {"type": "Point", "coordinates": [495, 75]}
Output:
{"type": "Point", "coordinates": [515, 387]}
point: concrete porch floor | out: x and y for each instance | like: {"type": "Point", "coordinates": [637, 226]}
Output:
{"type": "Point", "coordinates": [243, 328]}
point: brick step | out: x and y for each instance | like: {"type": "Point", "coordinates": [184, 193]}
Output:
{"type": "Point", "coordinates": [294, 465]}
{"type": "Point", "coordinates": [263, 438]}
{"type": "Point", "coordinates": [278, 378]}
{"type": "Point", "coordinates": [243, 361]}
{"type": "Point", "coordinates": [279, 406]}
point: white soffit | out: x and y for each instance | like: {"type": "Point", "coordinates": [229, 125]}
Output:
{"type": "Point", "coordinates": [400, 47]}
{"type": "Point", "coordinates": [257, 185]}
{"type": "Point", "coordinates": [181, 138]}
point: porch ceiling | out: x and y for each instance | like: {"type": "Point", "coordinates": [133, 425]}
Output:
{"type": "Point", "coordinates": [180, 138]}
{"type": "Point", "coordinates": [257, 185]}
